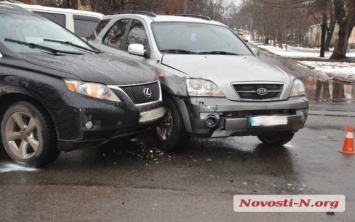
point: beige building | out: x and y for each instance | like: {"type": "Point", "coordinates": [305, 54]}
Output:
{"type": "Point", "coordinates": [313, 36]}
{"type": "Point", "coordinates": [352, 39]}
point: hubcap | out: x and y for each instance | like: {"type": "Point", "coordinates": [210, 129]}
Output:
{"type": "Point", "coordinates": [22, 135]}
{"type": "Point", "coordinates": [165, 129]}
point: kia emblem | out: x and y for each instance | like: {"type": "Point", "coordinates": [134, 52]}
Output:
{"type": "Point", "coordinates": [147, 92]}
{"type": "Point", "coordinates": [261, 91]}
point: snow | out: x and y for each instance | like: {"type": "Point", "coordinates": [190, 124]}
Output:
{"type": "Point", "coordinates": [341, 70]}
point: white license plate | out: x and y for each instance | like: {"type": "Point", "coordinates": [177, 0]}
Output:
{"type": "Point", "coordinates": [267, 120]}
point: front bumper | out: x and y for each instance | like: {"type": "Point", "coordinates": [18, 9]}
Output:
{"type": "Point", "coordinates": [220, 117]}
{"type": "Point", "coordinates": [82, 120]}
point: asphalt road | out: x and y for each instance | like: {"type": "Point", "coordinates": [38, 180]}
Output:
{"type": "Point", "coordinates": [138, 182]}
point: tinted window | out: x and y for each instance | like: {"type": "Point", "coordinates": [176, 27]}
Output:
{"type": "Point", "coordinates": [85, 25]}
{"type": "Point", "coordinates": [197, 37]}
{"type": "Point", "coordinates": [55, 17]}
{"type": "Point", "coordinates": [101, 26]}
{"type": "Point", "coordinates": [115, 35]}
{"type": "Point", "coordinates": [137, 34]}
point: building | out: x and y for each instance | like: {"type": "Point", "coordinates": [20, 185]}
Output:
{"type": "Point", "coordinates": [313, 36]}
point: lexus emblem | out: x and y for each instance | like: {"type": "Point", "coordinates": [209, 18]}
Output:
{"type": "Point", "coordinates": [261, 91]}
{"type": "Point", "coordinates": [147, 92]}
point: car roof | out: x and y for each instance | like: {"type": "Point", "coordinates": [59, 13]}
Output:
{"type": "Point", "coordinates": [8, 9]}
{"type": "Point", "coordinates": [168, 18]}
{"type": "Point", "coordinates": [54, 9]}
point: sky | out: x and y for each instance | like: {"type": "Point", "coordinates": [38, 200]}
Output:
{"type": "Point", "coordinates": [236, 2]}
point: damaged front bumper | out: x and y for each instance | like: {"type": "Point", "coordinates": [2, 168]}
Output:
{"type": "Point", "coordinates": [220, 117]}
{"type": "Point", "coordinates": [81, 121]}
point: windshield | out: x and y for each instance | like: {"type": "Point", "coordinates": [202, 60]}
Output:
{"type": "Point", "coordinates": [27, 33]}
{"type": "Point", "coordinates": [197, 38]}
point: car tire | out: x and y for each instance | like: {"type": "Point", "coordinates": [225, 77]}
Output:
{"type": "Point", "coordinates": [170, 133]}
{"type": "Point", "coordinates": [277, 138]}
{"type": "Point", "coordinates": [28, 135]}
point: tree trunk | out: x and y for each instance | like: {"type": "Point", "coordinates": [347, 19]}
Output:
{"type": "Point", "coordinates": [331, 28]}
{"type": "Point", "coordinates": [322, 39]}
{"type": "Point", "coordinates": [346, 21]}
{"type": "Point", "coordinates": [330, 32]}
{"type": "Point", "coordinates": [338, 91]}
{"type": "Point", "coordinates": [279, 38]}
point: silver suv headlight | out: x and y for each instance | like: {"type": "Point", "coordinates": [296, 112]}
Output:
{"type": "Point", "coordinates": [201, 87]}
{"type": "Point", "coordinates": [298, 88]}
{"type": "Point", "coordinates": [94, 90]}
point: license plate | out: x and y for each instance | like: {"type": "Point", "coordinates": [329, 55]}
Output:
{"type": "Point", "coordinates": [267, 120]}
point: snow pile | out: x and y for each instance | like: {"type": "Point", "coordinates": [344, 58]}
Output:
{"type": "Point", "coordinates": [341, 70]}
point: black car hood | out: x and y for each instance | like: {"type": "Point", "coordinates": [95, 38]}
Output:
{"type": "Point", "coordinates": [101, 68]}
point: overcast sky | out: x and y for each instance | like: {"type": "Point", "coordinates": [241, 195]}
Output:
{"type": "Point", "coordinates": [236, 2]}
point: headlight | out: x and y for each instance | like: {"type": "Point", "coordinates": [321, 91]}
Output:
{"type": "Point", "coordinates": [298, 88]}
{"type": "Point", "coordinates": [201, 87]}
{"type": "Point", "coordinates": [95, 90]}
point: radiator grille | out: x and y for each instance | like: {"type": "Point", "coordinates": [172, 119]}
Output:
{"type": "Point", "coordinates": [137, 95]}
{"type": "Point", "coordinates": [250, 91]}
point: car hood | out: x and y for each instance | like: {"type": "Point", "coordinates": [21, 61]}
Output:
{"type": "Point", "coordinates": [225, 69]}
{"type": "Point", "coordinates": [102, 68]}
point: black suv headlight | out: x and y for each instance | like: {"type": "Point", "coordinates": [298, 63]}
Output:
{"type": "Point", "coordinates": [95, 90]}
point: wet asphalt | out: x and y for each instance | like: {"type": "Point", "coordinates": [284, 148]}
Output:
{"type": "Point", "coordinates": [136, 181]}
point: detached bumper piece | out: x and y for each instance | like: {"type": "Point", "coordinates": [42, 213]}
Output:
{"type": "Point", "coordinates": [151, 115]}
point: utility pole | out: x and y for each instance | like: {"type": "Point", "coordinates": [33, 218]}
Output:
{"type": "Point", "coordinates": [185, 6]}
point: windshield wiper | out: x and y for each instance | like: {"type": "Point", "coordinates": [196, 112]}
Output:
{"type": "Point", "coordinates": [37, 46]}
{"type": "Point", "coordinates": [177, 51]}
{"type": "Point", "coordinates": [71, 44]}
{"type": "Point", "coordinates": [217, 53]}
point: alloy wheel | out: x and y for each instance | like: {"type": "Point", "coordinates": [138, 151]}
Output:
{"type": "Point", "coordinates": [165, 129]}
{"type": "Point", "coordinates": [22, 135]}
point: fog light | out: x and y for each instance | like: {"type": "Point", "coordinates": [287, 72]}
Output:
{"type": "Point", "coordinates": [211, 121]}
{"type": "Point", "coordinates": [89, 125]}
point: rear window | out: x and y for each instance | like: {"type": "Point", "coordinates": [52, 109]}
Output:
{"type": "Point", "coordinates": [55, 17]}
{"type": "Point", "coordinates": [85, 25]}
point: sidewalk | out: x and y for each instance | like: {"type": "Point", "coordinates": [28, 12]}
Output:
{"type": "Point", "coordinates": [326, 69]}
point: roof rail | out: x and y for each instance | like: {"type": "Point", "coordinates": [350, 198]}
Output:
{"type": "Point", "coordinates": [12, 1]}
{"type": "Point", "coordinates": [195, 16]}
{"type": "Point", "coordinates": [151, 14]}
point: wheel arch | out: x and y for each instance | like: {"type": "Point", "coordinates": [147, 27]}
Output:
{"type": "Point", "coordinates": [6, 100]}
{"type": "Point", "coordinates": [184, 113]}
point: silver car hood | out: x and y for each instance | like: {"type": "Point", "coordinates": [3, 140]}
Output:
{"type": "Point", "coordinates": [225, 67]}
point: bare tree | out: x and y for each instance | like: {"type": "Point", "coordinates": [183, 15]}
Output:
{"type": "Point", "coordinates": [345, 16]}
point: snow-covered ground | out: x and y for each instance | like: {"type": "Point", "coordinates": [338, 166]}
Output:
{"type": "Point", "coordinates": [340, 70]}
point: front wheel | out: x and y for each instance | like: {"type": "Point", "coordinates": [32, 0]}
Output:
{"type": "Point", "coordinates": [277, 138]}
{"type": "Point", "coordinates": [28, 135]}
{"type": "Point", "coordinates": [170, 133]}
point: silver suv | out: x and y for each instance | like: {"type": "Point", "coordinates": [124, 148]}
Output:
{"type": "Point", "coordinates": [213, 84]}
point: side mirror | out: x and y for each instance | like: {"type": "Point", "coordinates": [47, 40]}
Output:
{"type": "Point", "coordinates": [138, 49]}
{"type": "Point", "coordinates": [256, 51]}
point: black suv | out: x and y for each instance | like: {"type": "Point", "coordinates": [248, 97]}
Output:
{"type": "Point", "coordinates": [58, 93]}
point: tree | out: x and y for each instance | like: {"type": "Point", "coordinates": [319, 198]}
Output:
{"type": "Point", "coordinates": [279, 20]}
{"type": "Point", "coordinates": [331, 27]}
{"type": "Point", "coordinates": [345, 17]}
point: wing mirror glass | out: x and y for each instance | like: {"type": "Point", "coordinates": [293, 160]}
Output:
{"type": "Point", "coordinates": [138, 49]}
